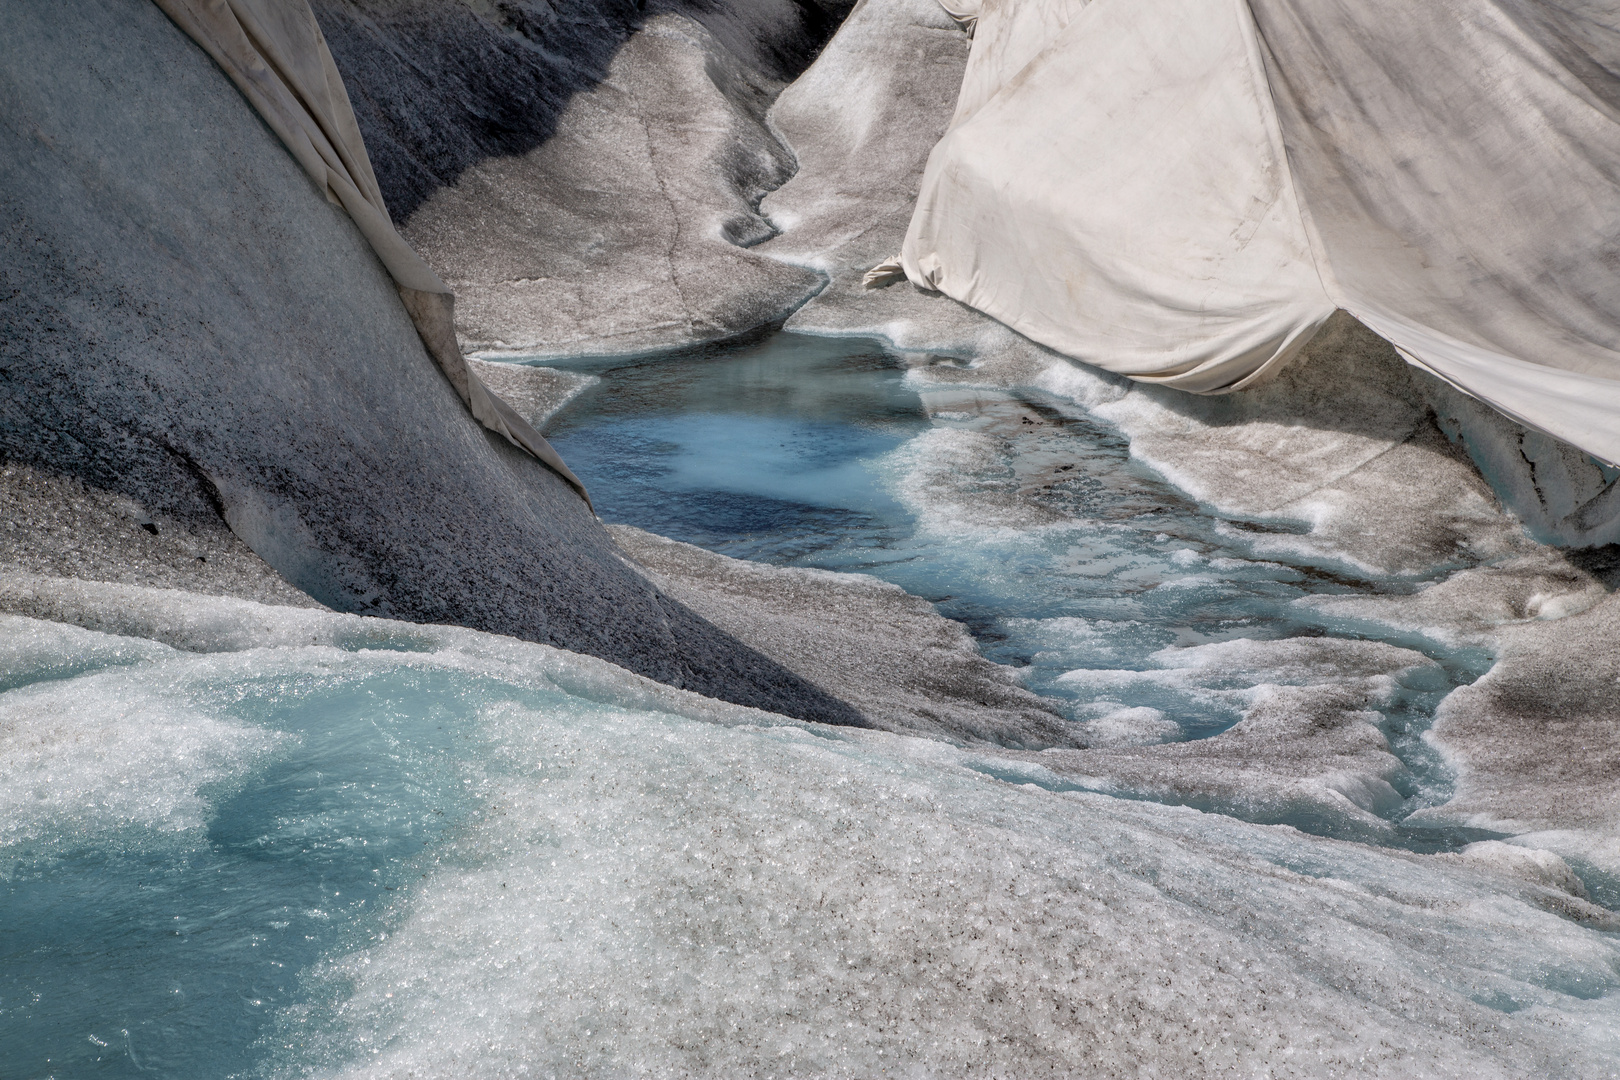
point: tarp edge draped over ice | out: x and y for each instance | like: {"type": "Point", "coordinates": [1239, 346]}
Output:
{"type": "Point", "coordinates": [275, 54]}
{"type": "Point", "coordinates": [1181, 192]}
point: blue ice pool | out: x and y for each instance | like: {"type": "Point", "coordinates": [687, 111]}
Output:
{"type": "Point", "coordinates": [1014, 512]}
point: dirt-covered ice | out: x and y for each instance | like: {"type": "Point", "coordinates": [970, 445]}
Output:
{"type": "Point", "coordinates": [905, 666]}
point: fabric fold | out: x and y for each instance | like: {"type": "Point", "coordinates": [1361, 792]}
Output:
{"type": "Point", "coordinates": [275, 54]}
{"type": "Point", "coordinates": [1181, 191]}
{"type": "Point", "coordinates": [1007, 35]}
{"type": "Point", "coordinates": [1459, 165]}
{"type": "Point", "coordinates": [1122, 197]}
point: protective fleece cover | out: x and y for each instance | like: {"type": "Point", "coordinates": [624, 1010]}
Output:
{"type": "Point", "coordinates": [1182, 191]}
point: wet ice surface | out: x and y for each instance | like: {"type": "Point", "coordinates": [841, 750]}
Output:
{"type": "Point", "coordinates": [184, 833]}
{"type": "Point", "coordinates": [1014, 512]}
{"type": "Point", "coordinates": [180, 838]}
{"type": "Point", "coordinates": [451, 854]}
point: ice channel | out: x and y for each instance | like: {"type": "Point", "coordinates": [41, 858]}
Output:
{"type": "Point", "coordinates": [1014, 511]}
{"type": "Point", "coordinates": [238, 840]}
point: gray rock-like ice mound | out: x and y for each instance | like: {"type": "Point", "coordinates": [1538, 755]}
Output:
{"type": "Point", "coordinates": [189, 324]}
{"type": "Point", "coordinates": [586, 176]}
{"type": "Point", "coordinates": [905, 666]}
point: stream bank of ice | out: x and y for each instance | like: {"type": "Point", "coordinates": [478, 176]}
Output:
{"type": "Point", "coordinates": [427, 851]}
{"type": "Point", "coordinates": [1145, 618]}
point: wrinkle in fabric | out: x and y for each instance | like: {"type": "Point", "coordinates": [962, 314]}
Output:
{"type": "Point", "coordinates": [1182, 191]}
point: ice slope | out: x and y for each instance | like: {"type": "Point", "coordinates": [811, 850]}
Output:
{"type": "Point", "coordinates": [585, 175]}
{"type": "Point", "coordinates": [191, 326]}
{"type": "Point", "coordinates": [625, 879]}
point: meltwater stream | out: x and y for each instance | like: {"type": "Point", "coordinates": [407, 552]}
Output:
{"type": "Point", "coordinates": [1014, 512]}
{"type": "Point", "coordinates": [308, 844]}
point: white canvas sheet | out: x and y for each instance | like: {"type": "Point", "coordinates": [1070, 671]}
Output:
{"type": "Point", "coordinates": [1182, 190]}
{"type": "Point", "coordinates": [1007, 34]}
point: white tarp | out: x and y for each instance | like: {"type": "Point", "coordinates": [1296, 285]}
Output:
{"type": "Point", "coordinates": [1007, 34]}
{"type": "Point", "coordinates": [1183, 190]}
{"type": "Point", "coordinates": [274, 52]}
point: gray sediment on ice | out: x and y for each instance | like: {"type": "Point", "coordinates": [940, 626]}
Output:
{"type": "Point", "coordinates": [1342, 450]}
{"type": "Point", "coordinates": [1308, 750]}
{"type": "Point", "coordinates": [585, 176]}
{"type": "Point", "coordinates": [54, 525]}
{"type": "Point", "coordinates": [189, 324]}
{"type": "Point", "coordinates": [905, 666]}
{"type": "Point", "coordinates": [1535, 742]}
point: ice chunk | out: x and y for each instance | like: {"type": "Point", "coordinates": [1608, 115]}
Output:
{"type": "Point", "coordinates": [1532, 864]}
{"type": "Point", "coordinates": [1089, 643]}
{"type": "Point", "coordinates": [1470, 605]}
{"type": "Point", "coordinates": [1126, 725]}
{"type": "Point", "coordinates": [1372, 666]}
{"type": "Point", "coordinates": [537, 393]}
{"type": "Point", "coordinates": [1302, 756]}
{"type": "Point", "coordinates": [1561, 494]}
{"type": "Point", "coordinates": [191, 621]}
{"type": "Point", "coordinates": [32, 650]}
{"type": "Point", "coordinates": [962, 483]}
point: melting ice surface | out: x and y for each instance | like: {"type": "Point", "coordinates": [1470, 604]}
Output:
{"type": "Point", "coordinates": [1015, 512]}
{"type": "Point", "coordinates": [450, 854]}
{"type": "Point", "coordinates": [315, 845]}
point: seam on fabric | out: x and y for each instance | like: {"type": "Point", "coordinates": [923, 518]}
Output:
{"type": "Point", "coordinates": [1258, 50]}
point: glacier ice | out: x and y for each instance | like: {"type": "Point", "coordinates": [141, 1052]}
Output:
{"type": "Point", "coordinates": [642, 881]}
